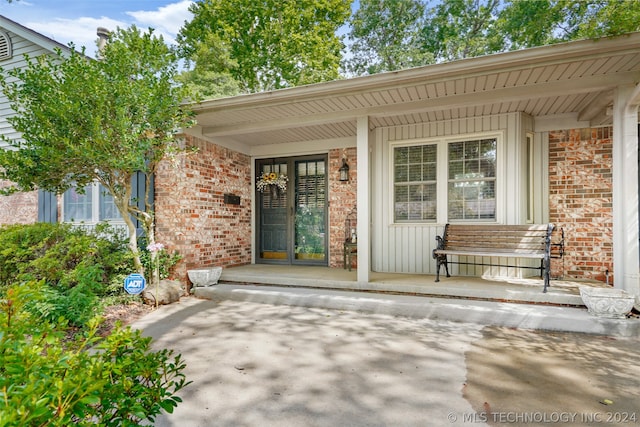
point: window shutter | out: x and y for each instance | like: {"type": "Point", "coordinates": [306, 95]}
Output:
{"type": "Point", "coordinates": [138, 183]}
{"type": "Point", "coordinates": [47, 207]}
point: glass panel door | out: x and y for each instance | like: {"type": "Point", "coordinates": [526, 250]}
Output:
{"type": "Point", "coordinates": [272, 210]}
{"type": "Point", "coordinates": [292, 218]}
{"type": "Point", "coordinates": [310, 224]}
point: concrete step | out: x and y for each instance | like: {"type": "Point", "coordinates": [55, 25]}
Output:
{"type": "Point", "coordinates": [561, 292]}
{"type": "Point", "coordinates": [508, 314]}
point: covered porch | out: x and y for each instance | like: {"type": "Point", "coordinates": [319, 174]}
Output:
{"type": "Point", "coordinates": [559, 127]}
{"type": "Point", "coordinates": [527, 291]}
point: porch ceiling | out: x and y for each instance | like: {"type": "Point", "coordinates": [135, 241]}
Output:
{"type": "Point", "coordinates": [574, 79]}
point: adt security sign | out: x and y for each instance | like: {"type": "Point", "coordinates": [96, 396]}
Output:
{"type": "Point", "coordinates": [134, 283]}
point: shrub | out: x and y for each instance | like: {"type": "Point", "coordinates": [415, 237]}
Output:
{"type": "Point", "coordinates": [48, 379]}
{"type": "Point", "coordinates": [81, 269]}
{"type": "Point", "coordinates": [22, 244]}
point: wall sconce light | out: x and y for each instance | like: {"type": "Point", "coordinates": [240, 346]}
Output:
{"type": "Point", "coordinates": [344, 171]}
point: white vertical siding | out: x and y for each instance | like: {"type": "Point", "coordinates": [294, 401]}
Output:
{"type": "Point", "coordinates": [407, 248]}
{"type": "Point", "coordinates": [541, 178]}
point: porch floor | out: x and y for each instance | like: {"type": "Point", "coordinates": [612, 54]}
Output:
{"type": "Point", "coordinates": [560, 292]}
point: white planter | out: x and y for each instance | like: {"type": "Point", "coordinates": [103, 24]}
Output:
{"type": "Point", "coordinates": [607, 302]}
{"type": "Point", "coordinates": [205, 276]}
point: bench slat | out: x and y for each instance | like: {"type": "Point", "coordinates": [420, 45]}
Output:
{"type": "Point", "coordinates": [503, 241]}
{"type": "Point", "coordinates": [481, 252]}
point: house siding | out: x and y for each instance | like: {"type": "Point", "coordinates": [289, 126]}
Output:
{"type": "Point", "coordinates": [191, 216]}
{"type": "Point", "coordinates": [407, 248]}
{"type": "Point", "coordinates": [20, 208]}
{"type": "Point", "coordinates": [21, 47]}
{"type": "Point", "coordinates": [581, 200]}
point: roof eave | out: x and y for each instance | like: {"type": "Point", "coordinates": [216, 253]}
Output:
{"type": "Point", "coordinates": [31, 35]}
{"type": "Point", "coordinates": [465, 67]}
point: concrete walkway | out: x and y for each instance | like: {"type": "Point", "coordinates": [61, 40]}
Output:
{"type": "Point", "coordinates": [261, 365]}
{"type": "Point", "coordinates": [267, 356]}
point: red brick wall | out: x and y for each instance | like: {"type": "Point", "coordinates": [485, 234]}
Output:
{"type": "Point", "coordinates": [342, 199]}
{"type": "Point", "coordinates": [191, 215]}
{"type": "Point", "coordinates": [19, 208]}
{"type": "Point", "coordinates": [580, 200]}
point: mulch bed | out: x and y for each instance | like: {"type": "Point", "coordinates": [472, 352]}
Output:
{"type": "Point", "coordinates": [125, 313]}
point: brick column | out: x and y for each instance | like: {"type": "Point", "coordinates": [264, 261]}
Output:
{"type": "Point", "coordinates": [580, 200]}
{"type": "Point", "coordinates": [342, 198]}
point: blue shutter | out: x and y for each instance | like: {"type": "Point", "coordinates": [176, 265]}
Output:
{"type": "Point", "coordinates": [47, 207]}
{"type": "Point", "coordinates": [138, 183]}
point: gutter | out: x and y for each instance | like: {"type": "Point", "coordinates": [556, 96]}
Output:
{"type": "Point", "coordinates": [504, 62]}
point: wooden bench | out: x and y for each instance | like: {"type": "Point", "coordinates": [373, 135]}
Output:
{"type": "Point", "coordinates": [514, 241]}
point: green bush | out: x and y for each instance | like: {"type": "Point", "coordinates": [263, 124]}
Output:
{"type": "Point", "coordinates": [81, 269]}
{"type": "Point", "coordinates": [48, 379]}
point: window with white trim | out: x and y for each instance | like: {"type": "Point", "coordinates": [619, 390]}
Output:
{"type": "Point", "coordinates": [464, 183]}
{"type": "Point", "coordinates": [92, 205]}
{"type": "Point", "coordinates": [472, 180]}
{"type": "Point", "coordinates": [415, 192]}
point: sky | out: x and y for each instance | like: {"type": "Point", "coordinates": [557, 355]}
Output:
{"type": "Point", "coordinates": [77, 20]}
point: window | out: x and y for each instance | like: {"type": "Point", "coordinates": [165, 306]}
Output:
{"type": "Point", "coordinates": [472, 180]}
{"type": "Point", "coordinates": [94, 204]}
{"type": "Point", "coordinates": [77, 205]}
{"type": "Point", "coordinates": [415, 173]}
{"type": "Point", "coordinates": [464, 183]}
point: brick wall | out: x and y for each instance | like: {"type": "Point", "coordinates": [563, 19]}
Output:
{"type": "Point", "coordinates": [342, 199]}
{"type": "Point", "coordinates": [580, 200]}
{"type": "Point", "coordinates": [19, 208]}
{"type": "Point", "coordinates": [191, 215]}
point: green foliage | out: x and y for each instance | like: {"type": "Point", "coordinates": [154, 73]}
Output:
{"type": "Point", "coordinates": [385, 36]}
{"type": "Point", "coordinates": [393, 34]}
{"type": "Point", "coordinates": [269, 44]}
{"type": "Point", "coordinates": [83, 121]}
{"type": "Point", "coordinates": [80, 270]}
{"type": "Point", "coordinates": [211, 75]}
{"type": "Point", "coordinates": [461, 29]}
{"type": "Point", "coordinates": [48, 379]}
{"type": "Point", "coordinates": [540, 22]}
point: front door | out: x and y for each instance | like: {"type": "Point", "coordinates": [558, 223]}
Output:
{"type": "Point", "coordinates": [292, 211]}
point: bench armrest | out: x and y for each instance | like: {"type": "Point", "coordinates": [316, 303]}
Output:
{"type": "Point", "coordinates": [441, 242]}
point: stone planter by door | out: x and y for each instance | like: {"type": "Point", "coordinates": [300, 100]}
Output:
{"type": "Point", "coordinates": [204, 276]}
{"type": "Point", "coordinates": [607, 302]}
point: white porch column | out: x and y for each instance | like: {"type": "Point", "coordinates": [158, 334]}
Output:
{"type": "Point", "coordinates": [626, 255]}
{"type": "Point", "coordinates": [363, 200]}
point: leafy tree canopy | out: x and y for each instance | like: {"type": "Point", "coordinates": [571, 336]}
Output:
{"type": "Point", "coordinates": [271, 44]}
{"type": "Point", "coordinates": [385, 36]}
{"type": "Point", "coordinates": [456, 29]}
{"type": "Point", "coordinates": [84, 120]}
{"type": "Point", "coordinates": [211, 75]}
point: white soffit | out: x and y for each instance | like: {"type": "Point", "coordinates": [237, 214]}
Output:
{"type": "Point", "coordinates": [566, 80]}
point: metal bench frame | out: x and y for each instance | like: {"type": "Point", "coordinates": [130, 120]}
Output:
{"type": "Point", "coordinates": [509, 241]}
